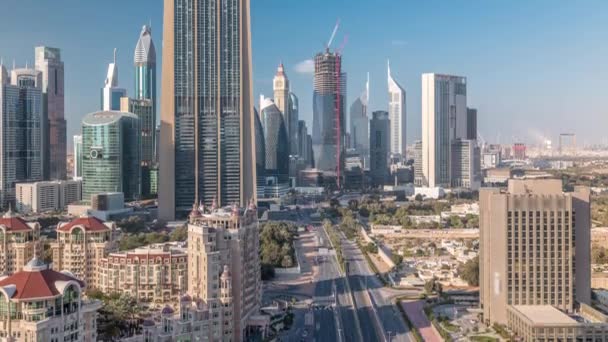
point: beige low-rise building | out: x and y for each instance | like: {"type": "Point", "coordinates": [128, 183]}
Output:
{"type": "Point", "coordinates": [81, 245]}
{"type": "Point", "coordinates": [155, 274]}
{"type": "Point", "coordinates": [19, 242]}
{"type": "Point", "coordinates": [40, 304]}
{"type": "Point", "coordinates": [545, 323]}
{"type": "Point", "coordinates": [38, 197]}
{"type": "Point", "coordinates": [192, 320]}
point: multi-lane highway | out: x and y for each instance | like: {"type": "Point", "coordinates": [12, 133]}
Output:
{"type": "Point", "coordinates": [350, 306]}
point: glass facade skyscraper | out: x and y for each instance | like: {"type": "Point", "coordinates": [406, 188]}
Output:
{"type": "Point", "coordinates": [111, 160]}
{"type": "Point", "coordinates": [21, 116]}
{"type": "Point", "coordinates": [145, 89]}
{"type": "Point", "coordinates": [379, 140]}
{"type": "Point", "coordinates": [49, 63]}
{"type": "Point", "coordinates": [145, 66]}
{"type": "Point", "coordinates": [111, 93]}
{"type": "Point", "coordinates": [77, 174]}
{"type": "Point", "coordinates": [275, 141]}
{"type": "Point", "coordinates": [359, 125]}
{"type": "Point", "coordinates": [397, 116]}
{"type": "Point", "coordinates": [207, 122]}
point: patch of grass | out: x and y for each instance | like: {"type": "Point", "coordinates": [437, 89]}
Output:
{"type": "Point", "coordinates": [483, 339]}
{"type": "Point", "coordinates": [450, 327]}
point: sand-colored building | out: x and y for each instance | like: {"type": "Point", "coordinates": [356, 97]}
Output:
{"type": "Point", "coordinates": [19, 242]}
{"type": "Point", "coordinates": [40, 304]}
{"type": "Point", "coordinates": [226, 242]}
{"type": "Point", "coordinates": [154, 274]}
{"type": "Point", "coordinates": [534, 247]}
{"type": "Point", "coordinates": [81, 245]}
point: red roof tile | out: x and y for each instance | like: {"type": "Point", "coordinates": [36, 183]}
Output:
{"type": "Point", "coordinates": [90, 224]}
{"type": "Point", "coordinates": [37, 284]}
{"type": "Point", "coordinates": [14, 224]}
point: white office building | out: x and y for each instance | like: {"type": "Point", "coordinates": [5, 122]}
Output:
{"type": "Point", "coordinates": [111, 93]}
{"type": "Point", "coordinates": [444, 123]}
{"type": "Point", "coordinates": [397, 116]}
{"type": "Point", "coordinates": [39, 197]}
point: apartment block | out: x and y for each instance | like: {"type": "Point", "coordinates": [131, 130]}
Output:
{"type": "Point", "coordinates": [152, 274]}
{"type": "Point", "coordinates": [193, 320]}
{"type": "Point", "coordinates": [20, 243]}
{"type": "Point", "coordinates": [226, 241]}
{"type": "Point", "coordinates": [81, 245]}
{"type": "Point", "coordinates": [39, 197]}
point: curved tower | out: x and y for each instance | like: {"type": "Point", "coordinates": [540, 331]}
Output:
{"type": "Point", "coordinates": [145, 67]}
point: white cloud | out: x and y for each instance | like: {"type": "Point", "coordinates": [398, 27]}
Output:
{"type": "Point", "coordinates": [306, 67]}
{"type": "Point", "coordinates": [398, 42]}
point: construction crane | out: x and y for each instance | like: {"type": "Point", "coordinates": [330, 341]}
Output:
{"type": "Point", "coordinates": [333, 34]}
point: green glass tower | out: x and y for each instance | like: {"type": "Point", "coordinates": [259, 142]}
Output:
{"type": "Point", "coordinates": [111, 154]}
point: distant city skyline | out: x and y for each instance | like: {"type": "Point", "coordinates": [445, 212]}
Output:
{"type": "Point", "coordinates": [546, 65]}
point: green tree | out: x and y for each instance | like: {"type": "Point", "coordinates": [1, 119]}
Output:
{"type": "Point", "coordinates": [598, 255]}
{"type": "Point", "coordinates": [179, 234]}
{"type": "Point", "coordinates": [397, 259]}
{"type": "Point", "coordinates": [469, 271]}
{"type": "Point", "coordinates": [132, 224]}
{"type": "Point", "coordinates": [433, 286]}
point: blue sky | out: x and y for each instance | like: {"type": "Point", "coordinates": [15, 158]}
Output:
{"type": "Point", "coordinates": [534, 68]}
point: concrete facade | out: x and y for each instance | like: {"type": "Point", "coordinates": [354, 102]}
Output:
{"type": "Point", "coordinates": [534, 247]}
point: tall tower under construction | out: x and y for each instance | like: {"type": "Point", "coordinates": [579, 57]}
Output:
{"type": "Point", "coordinates": [329, 122]}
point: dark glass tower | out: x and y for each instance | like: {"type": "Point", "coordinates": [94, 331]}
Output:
{"type": "Point", "coordinates": [379, 146]}
{"type": "Point", "coordinates": [207, 148]}
{"type": "Point", "coordinates": [275, 141]}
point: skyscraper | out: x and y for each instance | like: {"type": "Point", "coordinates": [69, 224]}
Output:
{"type": "Point", "coordinates": [359, 125]}
{"type": "Point", "coordinates": [21, 117]}
{"type": "Point", "coordinates": [111, 93]}
{"type": "Point", "coordinates": [397, 115]}
{"type": "Point", "coordinates": [444, 119]}
{"type": "Point", "coordinates": [534, 247]}
{"type": "Point", "coordinates": [144, 110]}
{"type": "Point", "coordinates": [48, 61]}
{"type": "Point", "coordinates": [111, 145]}
{"type": "Point", "coordinates": [207, 121]}
{"type": "Point", "coordinates": [471, 123]}
{"type": "Point", "coordinates": [280, 85]}
{"type": "Point", "coordinates": [260, 155]}
{"type": "Point", "coordinates": [292, 123]}
{"type": "Point", "coordinates": [77, 174]}
{"type": "Point", "coordinates": [329, 123]}
{"type": "Point", "coordinates": [145, 66]}
{"type": "Point", "coordinates": [379, 131]}
{"type": "Point", "coordinates": [275, 141]}
{"type": "Point", "coordinates": [304, 150]}
{"type": "Point", "coordinates": [145, 89]}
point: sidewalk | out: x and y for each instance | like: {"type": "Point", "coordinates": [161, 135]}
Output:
{"type": "Point", "coordinates": [415, 312]}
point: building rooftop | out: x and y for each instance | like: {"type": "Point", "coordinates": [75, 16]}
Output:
{"type": "Point", "coordinates": [105, 117]}
{"type": "Point", "coordinates": [89, 223]}
{"type": "Point", "coordinates": [13, 223]}
{"type": "Point", "coordinates": [543, 314]}
{"type": "Point", "coordinates": [37, 281]}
